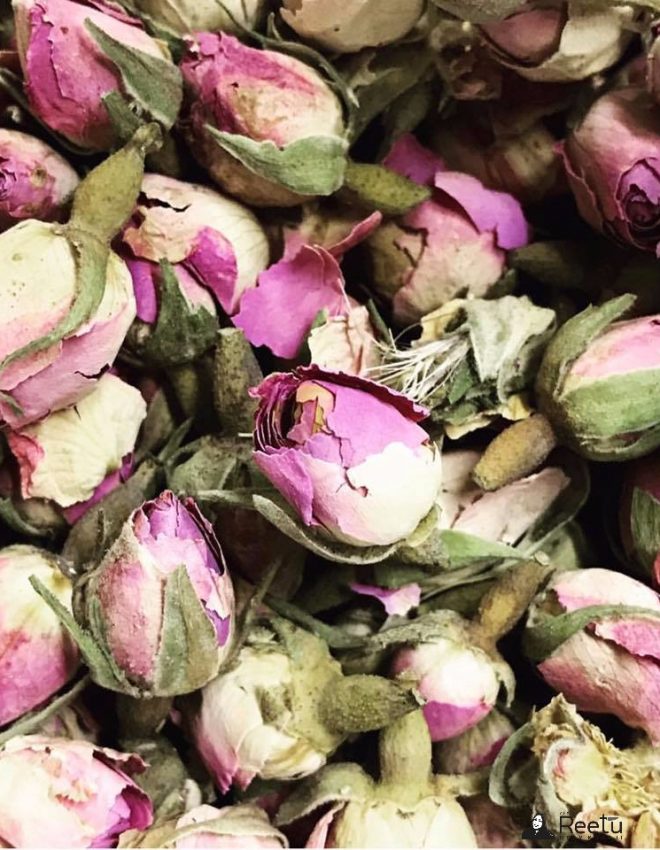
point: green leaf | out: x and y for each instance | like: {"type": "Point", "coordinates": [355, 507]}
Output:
{"type": "Point", "coordinates": [548, 632]}
{"type": "Point", "coordinates": [103, 672]}
{"type": "Point", "coordinates": [311, 166]}
{"type": "Point", "coordinates": [288, 523]}
{"type": "Point", "coordinates": [376, 187]}
{"type": "Point", "coordinates": [154, 84]}
{"type": "Point", "coordinates": [645, 528]}
{"type": "Point", "coordinates": [335, 783]}
{"type": "Point", "coordinates": [188, 656]}
{"type": "Point", "coordinates": [182, 332]}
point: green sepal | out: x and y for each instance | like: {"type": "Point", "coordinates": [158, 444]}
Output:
{"type": "Point", "coordinates": [91, 258]}
{"type": "Point", "coordinates": [498, 787]}
{"type": "Point", "coordinates": [182, 332]}
{"type": "Point", "coordinates": [155, 85]}
{"type": "Point", "coordinates": [376, 187]}
{"type": "Point", "coordinates": [12, 519]}
{"type": "Point", "coordinates": [124, 121]}
{"type": "Point", "coordinates": [311, 166]}
{"type": "Point", "coordinates": [363, 703]}
{"type": "Point", "coordinates": [188, 655]}
{"type": "Point", "coordinates": [335, 783]}
{"type": "Point", "coordinates": [236, 370]}
{"type": "Point", "coordinates": [283, 518]}
{"type": "Point", "coordinates": [645, 528]}
{"type": "Point", "coordinates": [102, 667]}
{"type": "Point", "coordinates": [94, 532]}
{"type": "Point", "coordinates": [453, 550]}
{"type": "Point", "coordinates": [547, 632]}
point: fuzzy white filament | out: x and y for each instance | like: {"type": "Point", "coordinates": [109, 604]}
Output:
{"type": "Point", "coordinates": [421, 370]}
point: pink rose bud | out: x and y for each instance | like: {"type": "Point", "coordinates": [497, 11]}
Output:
{"type": "Point", "coordinates": [165, 571]}
{"type": "Point", "coordinates": [77, 456]}
{"type": "Point", "coordinates": [458, 682]}
{"type": "Point", "coordinates": [453, 243]}
{"type": "Point", "coordinates": [54, 43]}
{"type": "Point", "coordinates": [37, 656]}
{"type": "Point", "coordinates": [188, 16]}
{"type": "Point", "coordinates": [611, 160]}
{"type": "Point", "coordinates": [608, 662]}
{"type": "Point", "coordinates": [347, 453]}
{"type": "Point", "coordinates": [35, 181]}
{"type": "Point", "coordinates": [639, 515]}
{"type": "Point", "coordinates": [475, 748]}
{"type": "Point", "coordinates": [84, 795]}
{"type": "Point", "coordinates": [591, 369]}
{"type": "Point", "coordinates": [39, 257]}
{"type": "Point", "coordinates": [346, 26]}
{"type": "Point", "coordinates": [560, 43]}
{"type": "Point", "coordinates": [259, 100]}
{"type": "Point", "coordinates": [214, 247]}
{"type": "Point", "coordinates": [230, 827]}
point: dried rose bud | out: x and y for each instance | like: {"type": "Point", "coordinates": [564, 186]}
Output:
{"type": "Point", "coordinates": [453, 243]}
{"type": "Point", "coordinates": [37, 657]}
{"type": "Point", "coordinates": [76, 456]}
{"type": "Point", "coordinates": [188, 16]}
{"type": "Point", "coordinates": [346, 26]}
{"type": "Point", "coordinates": [406, 808]}
{"type": "Point", "coordinates": [259, 101]}
{"type": "Point", "coordinates": [347, 453]}
{"type": "Point", "coordinates": [189, 249]}
{"type": "Point", "coordinates": [36, 255]}
{"type": "Point", "coordinates": [283, 708]}
{"type": "Point", "coordinates": [475, 748]}
{"type": "Point", "coordinates": [608, 662]}
{"type": "Point", "coordinates": [589, 371]}
{"type": "Point", "coordinates": [35, 181]}
{"type": "Point", "coordinates": [458, 681]}
{"type": "Point", "coordinates": [161, 603]}
{"type": "Point", "coordinates": [243, 825]}
{"type": "Point", "coordinates": [55, 43]}
{"type": "Point", "coordinates": [611, 160]}
{"type": "Point", "coordinates": [568, 41]}
{"type": "Point", "coordinates": [639, 515]}
{"type": "Point", "coordinates": [84, 795]}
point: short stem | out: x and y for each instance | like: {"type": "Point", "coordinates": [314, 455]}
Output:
{"type": "Point", "coordinates": [141, 718]}
{"type": "Point", "coordinates": [334, 637]}
{"type": "Point", "coordinates": [405, 753]}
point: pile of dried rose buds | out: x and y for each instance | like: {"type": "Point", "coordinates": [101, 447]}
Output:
{"type": "Point", "coordinates": [329, 423]}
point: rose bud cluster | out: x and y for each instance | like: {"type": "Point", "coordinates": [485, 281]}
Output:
{"type": "Point", "coordinates": [245, 105]}
{"type": "Point", "coordinates": [348, 454]}
{"type": "Point", "coordinates": [37, 656]}
{"type": "Point", "coordinates": [452, 243]}
{"type": "Point", "coordinates": [595, 635]}
{"type": "Point", "coordinates": [35, 181]}
{"type": "Point", "coordinates": [189, 250]}
{"type": "Point", "coordinates": [84, 794]}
